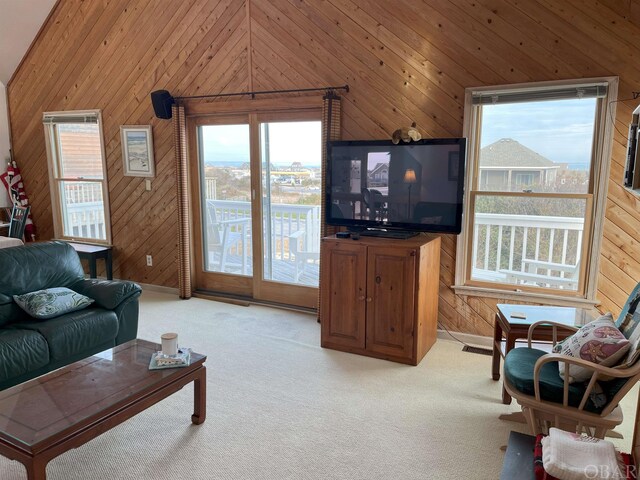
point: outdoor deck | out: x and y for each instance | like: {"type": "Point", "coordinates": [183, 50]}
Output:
{"type": "Point", "coordinates": [284, 271]}
{"type": "Point", "coordinates": [543, 251]}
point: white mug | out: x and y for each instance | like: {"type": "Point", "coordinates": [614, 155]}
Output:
{"type": "Point", "coordinates": [170, 343]}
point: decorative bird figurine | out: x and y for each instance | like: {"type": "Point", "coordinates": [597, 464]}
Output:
{"type": "Point", "coordinates": [406, 134]}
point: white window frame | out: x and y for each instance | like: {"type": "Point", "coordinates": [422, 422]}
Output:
{"type": "Point", "coordinates": [602, 148]}
{"type": "Point", "coordinates": [53, 159]}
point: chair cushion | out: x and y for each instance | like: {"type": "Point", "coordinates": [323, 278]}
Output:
{"type": "Point", "coordinates": [52, 302]}
{"type": "Point", "coordinates": [21, 352]}
{"type": "Point", "coordinates": [75, 332]}
{"type": "Point", "coordinates": [518, 370]}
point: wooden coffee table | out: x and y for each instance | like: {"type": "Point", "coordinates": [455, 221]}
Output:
{"type": "Point", "coordinates": [47, 416]}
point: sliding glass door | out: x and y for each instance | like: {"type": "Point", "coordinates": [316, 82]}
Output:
{"type": "Point", "coordinates": [226, 198]}
{"type": "Point", "coordinates": [258, 197]}
{"type": "Point", "coordinates": [290, 154]}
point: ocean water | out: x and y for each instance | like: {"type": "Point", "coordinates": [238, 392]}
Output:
{"type": "Point", "coordinates": [579, 166]}
{"type": "Point", "coordinates": [238, 164]}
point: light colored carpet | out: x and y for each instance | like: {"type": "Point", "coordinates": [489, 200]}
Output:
{"type": "Point", "coordinates": [281, 407]}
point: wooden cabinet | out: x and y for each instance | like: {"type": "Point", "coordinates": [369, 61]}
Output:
{"type": "Point", "coordinates": [379, 297]}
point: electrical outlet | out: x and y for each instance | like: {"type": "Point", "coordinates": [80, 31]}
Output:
{"type": "Point", "coordinates": [149, 261]}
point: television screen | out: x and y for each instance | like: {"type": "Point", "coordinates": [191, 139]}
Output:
{"type": "Point", "coordinates": [415, 186]}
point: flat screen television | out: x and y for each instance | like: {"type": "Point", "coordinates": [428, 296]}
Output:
{"type": "Point", "coordinates": [374, 185]}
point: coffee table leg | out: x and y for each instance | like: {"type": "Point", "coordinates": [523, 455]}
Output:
{"type": "Point", "coordinates": [36, 469]}
{"type": "Point", "coordinates": [200, 397]}
{"type": "Point", "coordinates": [497, 338]}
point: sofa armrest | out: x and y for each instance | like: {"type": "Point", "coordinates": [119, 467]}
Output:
{"type": "Point", "coordinates": [107, 293]}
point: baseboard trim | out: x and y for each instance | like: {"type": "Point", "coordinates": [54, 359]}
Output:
{"type": "Point", "coordinates": [158, 288]}
{"type": "Point", "coordinates": [247, 301]}
{"type": "Point", "coordinates": [241, 302]}
{"type": "Point", "coordinates": [468, 338]}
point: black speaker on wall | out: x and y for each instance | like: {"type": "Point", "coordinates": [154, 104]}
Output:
{"type": "Point", "coordinates": [162, 102]}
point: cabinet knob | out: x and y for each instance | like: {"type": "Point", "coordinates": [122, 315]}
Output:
{"type": "Point", "coordinates": [369, 299]}
{"type": "Point", "coordinates": [378, 279]}
{"type": "Point", "coordinates": [361, 297]}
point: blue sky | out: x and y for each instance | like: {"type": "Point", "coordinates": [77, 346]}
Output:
{"type": "Point", "coordinates": [561, 130]}
{"type": "Point", "coordinates": [289, 142]}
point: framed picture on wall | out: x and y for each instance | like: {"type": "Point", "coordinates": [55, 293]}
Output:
{"type": "Point", "coordinates": [137, 150]}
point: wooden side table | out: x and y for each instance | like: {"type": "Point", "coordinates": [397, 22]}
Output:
{"type": "Point", "coordinates": [514, 328]}
{"type": "Point", "coordinates": [91, 253]}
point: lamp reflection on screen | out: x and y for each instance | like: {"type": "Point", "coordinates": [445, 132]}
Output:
{"type": "Point", "coordinates": [410, 178]}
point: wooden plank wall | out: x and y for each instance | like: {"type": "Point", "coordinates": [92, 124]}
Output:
{"type": "Point", "coordinates": [405, 61]}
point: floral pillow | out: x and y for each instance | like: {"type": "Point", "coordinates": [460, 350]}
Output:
{"type": "Point", "coordinates": [598, 342]}
{"type": "Point", "coordinates": [52, 302]}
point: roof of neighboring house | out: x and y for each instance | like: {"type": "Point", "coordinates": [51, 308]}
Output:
{"type": "Point", "coordinates": [379, 166]}
{"type": "Point", "coordinates": [507, 153]}
{"type": "Point", "coordinates": [82, 152]}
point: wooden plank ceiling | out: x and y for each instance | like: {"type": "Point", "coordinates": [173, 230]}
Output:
{"type": "Point", "coordinates": [405, 61]}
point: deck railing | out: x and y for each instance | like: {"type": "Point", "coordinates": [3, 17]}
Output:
{"type": "Point", "coordinates": [83, 213]}
{"type": "Point", "coordinates": [286, 219]}
{"type": "Point", "coordinates": [84, 220]}
{"type": "Point", "coordinates": [507, 243]}
{"type": "Point", "coordinates": [501, 242]}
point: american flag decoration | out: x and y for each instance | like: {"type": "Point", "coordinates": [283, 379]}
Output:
{"type": "Point", "coordinates": [12, 180]}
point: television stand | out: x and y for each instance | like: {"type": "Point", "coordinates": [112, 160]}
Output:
{"type": "Point", "coordinates": [379, 296]}
{"type": "Point", "coordinates": [397, 234]}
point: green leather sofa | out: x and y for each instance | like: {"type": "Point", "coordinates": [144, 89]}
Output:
{"type": "Point", "coordinates": [31, 347]}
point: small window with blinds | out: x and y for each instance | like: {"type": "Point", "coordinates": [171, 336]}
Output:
{"type": "Point", "coordinates": [538, 162]}
{"type": "Point", "coordinates": [77, 176]}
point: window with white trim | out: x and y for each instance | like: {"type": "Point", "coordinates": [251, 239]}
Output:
{"type": "Point", "coordinates": [77, 175]}
{"type": "Point", "coordinates": [536, 186]}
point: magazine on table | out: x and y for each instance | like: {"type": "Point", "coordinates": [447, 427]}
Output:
{"type": "Point", "coordinates": [161, 361]}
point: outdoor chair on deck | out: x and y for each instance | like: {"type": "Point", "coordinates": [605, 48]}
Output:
{"type": "Point", "coordinates": [531, 377]}
{"type": "Point", "coordinates": [375, 204]}
{"type": "Point", "coordinates": [302, 258]}
{"type": "Point", "coordinates": [226, 236]}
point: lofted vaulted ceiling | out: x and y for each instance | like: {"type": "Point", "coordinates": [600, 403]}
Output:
{"type": "Point", "coordinates": [20, 21]}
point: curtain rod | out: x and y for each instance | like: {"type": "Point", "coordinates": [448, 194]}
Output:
{"type": "Point", "coordinates": [266, 92]}
{"type": "Point", "coordinates": [162, 100]}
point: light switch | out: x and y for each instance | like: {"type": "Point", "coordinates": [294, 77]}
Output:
{"type": "Point", "coordinates": [147, 185]}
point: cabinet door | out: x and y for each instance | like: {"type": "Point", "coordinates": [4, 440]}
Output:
{"type": "Point", "coordinates": [343, 284]}
{"type": "Point", "coordinates": [390, 300]}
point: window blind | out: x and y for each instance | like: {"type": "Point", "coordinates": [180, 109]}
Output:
{"type": "Point", "coordinates": [84, 117]}
{"type": "Point", "coordinates": [331, 130]}
{"type": "Point", "coordinates": [594, 90]}
{"type": "Point", "coordinates": [182, 196]}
